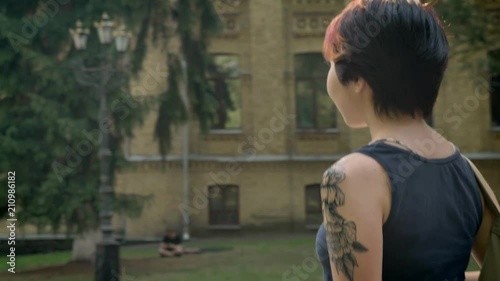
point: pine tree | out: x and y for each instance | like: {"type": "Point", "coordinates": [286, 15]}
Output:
{"type": "Point", "coordinates": [197, 22]}
{"type": "Point", "coordinates": [49, 121]}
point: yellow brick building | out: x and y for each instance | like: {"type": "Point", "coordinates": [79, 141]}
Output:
{"type": "Point", "coordinates": [261, 170]}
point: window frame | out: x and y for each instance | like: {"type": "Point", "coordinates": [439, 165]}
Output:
{"type": "Point", "coordinates": [316, 187]}
{"type": "Point", "coordinates": [314, 80]}
{"type": "Point", "coordinates": [494, 127]}
{"type": "Point", "coordinates": [493, 76]}
{"type": "Point", "coordinates": [230, 131]}
{"type": "Point", "coordinates": [211, 211]}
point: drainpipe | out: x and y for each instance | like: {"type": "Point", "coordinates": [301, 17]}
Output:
{"type": "Point", "coordinates": [289, 102]}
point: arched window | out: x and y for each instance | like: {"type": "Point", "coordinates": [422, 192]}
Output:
{"type": "Point", "coordinates": [224, 204]}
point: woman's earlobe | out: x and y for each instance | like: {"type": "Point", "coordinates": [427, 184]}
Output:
{"type": "Point", "coordinates": [359, 84]}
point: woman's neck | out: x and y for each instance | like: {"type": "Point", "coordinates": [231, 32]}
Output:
{"type": "Point", "coordinates": [404, 128]}
{"type": "Point", "coordinates": [414, 134]}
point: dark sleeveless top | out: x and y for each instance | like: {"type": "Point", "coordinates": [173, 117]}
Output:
{"type": "Point", "coordinates": [435, 213]}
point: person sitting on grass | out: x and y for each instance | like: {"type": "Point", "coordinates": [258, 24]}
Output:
{"type": "Point", "coordinates": [171, 245]}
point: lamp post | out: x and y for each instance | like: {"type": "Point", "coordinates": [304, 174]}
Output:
{"type": "Point", "coordinates": [107, 250]}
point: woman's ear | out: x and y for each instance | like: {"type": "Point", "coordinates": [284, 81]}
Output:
{"type": "Point", "coordinates": [359, 85]}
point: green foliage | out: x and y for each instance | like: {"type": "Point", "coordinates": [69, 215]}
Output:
{"type": "Point", "coordinates": [50, 125]}
{"type": "Point", "coordinates": [472, 27]}
{"type": "Point", "coordinates": [224, 92]}
{"type": "Point", "coordinates": [49, 122]}
{"type": "Point", "coordinates": [172, 110]}
{"type": "Point", "coordinates": [131, 205]}
{"type": "Point", "coordinates": [465, 20]}
{"type": "Point", "coordinates": [197, 23]}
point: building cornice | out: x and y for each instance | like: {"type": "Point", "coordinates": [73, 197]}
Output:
{"type": "Point", "coordinates": [238, 158]}
{"type": "Point", "coordinates": [279, 157]}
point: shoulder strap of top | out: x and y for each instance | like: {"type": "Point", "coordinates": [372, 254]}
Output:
{"type": "Point", "coordinates": [383, 155]}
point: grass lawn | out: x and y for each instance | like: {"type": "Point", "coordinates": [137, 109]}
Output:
{"type": "Point", "coordinates": [290, 258]}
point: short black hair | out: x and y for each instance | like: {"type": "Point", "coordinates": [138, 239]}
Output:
{"type": "Point", "coordinates": [398, 46]}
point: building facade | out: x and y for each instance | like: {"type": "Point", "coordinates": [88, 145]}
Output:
{"type": "Point", "coordinates": [261, 165]}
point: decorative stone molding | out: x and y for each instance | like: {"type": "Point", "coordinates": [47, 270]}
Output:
{"type": "Point", "coordinates": [231, 24]}
{"type": "Point", "coordinates": [314, 168]}
{"type": "Point", "coordinates": [310, 24]}
{"type": "Point", "coordinates": [199, 165]}
{"type": "Point", "coordinates": [150, 166]}
{"type": "Point", "coordinates": [223, 137]}
{"type": "Point", "coordinates": [228, 6]}
{"type": "Point", "coordinates": [318, 135]}
{"type": "Point", "coordinates": [229, 11]}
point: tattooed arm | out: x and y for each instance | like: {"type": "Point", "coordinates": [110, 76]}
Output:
{"type": "Point", "coordinates": [355, 198]}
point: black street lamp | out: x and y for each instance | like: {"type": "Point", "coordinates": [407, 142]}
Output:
{"type": "Point", "coordinates": [107, 253]}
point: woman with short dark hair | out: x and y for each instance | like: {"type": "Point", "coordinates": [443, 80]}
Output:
{"type": "Point", "coordinates": [406, 206]}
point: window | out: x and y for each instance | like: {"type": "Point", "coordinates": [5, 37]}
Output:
{"type": "Point", "coordinates": [225, 84]}
{"type": "Point", "coordinates": [494, 65]}
{"type": "Point", "coordinates": [313, 205]}
{"type": "Point", "coordinates": [315, 109]}
{"type": "Point", "coordinates": [223, 205]}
